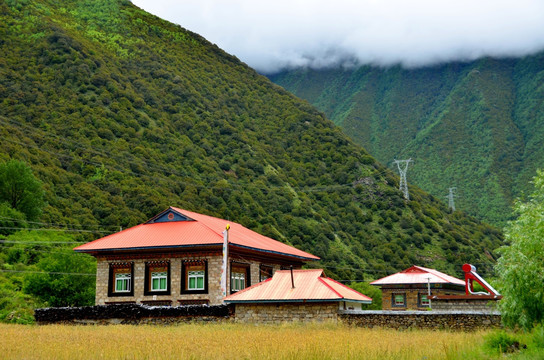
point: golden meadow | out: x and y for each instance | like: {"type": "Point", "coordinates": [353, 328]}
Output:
{"type": "Point", "coordinates": [234, 341]}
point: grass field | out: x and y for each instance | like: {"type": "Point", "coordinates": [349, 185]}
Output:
{"type": "Point", "coordinates": [233, 341]}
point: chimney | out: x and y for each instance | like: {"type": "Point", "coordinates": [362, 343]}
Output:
{"type": "Point", "coordinates": [292, 278]}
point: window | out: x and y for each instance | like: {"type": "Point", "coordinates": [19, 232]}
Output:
{"type": "Point", "coordinates": [398, 300]}
{"type": "Point", "coordinates": [157, 278]}
{"type": "Point", "coordinates": [120, 281]}
{"type": "Point", "coordinates": [265, 272]}
{"type": "Point", "coordinates": [424, 300]}
{"type": "Point", "coordinates": [196, 280]}
{"type": "Point", "coordinates": [239, 277]}
{"type": "Point", "coordinates": [194, 277]}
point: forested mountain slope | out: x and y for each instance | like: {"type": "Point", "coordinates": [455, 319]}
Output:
{"type": "Point", "coordinates": [475, 126]}
{"type": "Point", "coordinates": [121, 114]}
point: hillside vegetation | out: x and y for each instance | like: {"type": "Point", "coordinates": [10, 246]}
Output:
{"type": "Point", "coordinates": [475, 126]}
{"type": "Point", "coordinates": [120, 114]}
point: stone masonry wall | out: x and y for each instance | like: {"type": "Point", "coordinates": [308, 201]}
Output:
{"type": "Point", "coordinates": [214, 291]}
{"type": "Point", "coordinates": [484, 305]}
{"type": "Point", "coordinates": [133, 314]}
{"type": "Point", "coordinates": [287, 312]}
{"type": "Point", "coordinates": [435, 320]}
{"type": "Point", "coordinates": [214, 296]}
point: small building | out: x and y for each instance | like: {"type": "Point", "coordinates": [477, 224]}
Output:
{"type": "Point", "coordinates": [411, 289]}
{"type": "Point", "coordinates": [176, 258]}
{"type": "Point", "coordinates": [295, 295]}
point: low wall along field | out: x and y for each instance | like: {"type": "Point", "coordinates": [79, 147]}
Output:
{"type": "Point", "coordinates": [133, 314]}
{"type": "Point", "coordinates": [141, 314]}
{"type": "Point", "coordinates": [432, 320]}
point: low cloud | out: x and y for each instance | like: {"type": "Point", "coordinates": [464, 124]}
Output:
{"type": "Point", "coordinates": [274, 35]}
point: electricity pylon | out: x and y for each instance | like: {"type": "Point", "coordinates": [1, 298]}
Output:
{"type": "Point", "coordinates": [403, 185]}
{"type": "Point", "coordinates": [451, 195]}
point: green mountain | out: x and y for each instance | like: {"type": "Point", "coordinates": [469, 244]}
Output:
{"type": "Point", "coordinates": [476, 126]}
{"type": "Point", "coordinates": [121, 114]}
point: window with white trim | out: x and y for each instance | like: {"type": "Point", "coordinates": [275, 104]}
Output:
{"type": "Point", "coordinates": [120, 279]}
{"type": "Point", "coordinates": [194, 277]}
{"type": "Point", "coordinates": [239, 277]}
{"type": "Point", "coordinates": [159, 280]}
{"type": "Point", "coordinates": [122, 282]}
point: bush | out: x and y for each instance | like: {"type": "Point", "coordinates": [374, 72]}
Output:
{"type": "Point", "coordinates": [503, 343]}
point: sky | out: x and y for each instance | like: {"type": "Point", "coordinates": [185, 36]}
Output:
{"type": "Point", "coordinates": [274, 35]}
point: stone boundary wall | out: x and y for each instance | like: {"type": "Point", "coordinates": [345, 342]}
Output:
{"type": "Point", "coordinates": [432, 320]}
{"type": "Point", "coordinates": [286, 312]}
{"type": "Point", "coordinates": [480, 305]}
{"type": "Point", "coordinates": [133, 314]}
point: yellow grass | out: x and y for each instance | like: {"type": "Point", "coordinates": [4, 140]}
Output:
{"type": "Point", "coordinates": [230, 341]}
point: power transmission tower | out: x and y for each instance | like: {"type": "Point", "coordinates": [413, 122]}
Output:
{"type": "Point", "coordinates": [451, 196]}
{"type": "Point", "coordinates": [403, 186]}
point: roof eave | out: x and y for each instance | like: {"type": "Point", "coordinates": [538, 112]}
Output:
{"type": "Point", "coordinates": [194, 246]}
{"type": "Point", "coordinates": [295, 301]}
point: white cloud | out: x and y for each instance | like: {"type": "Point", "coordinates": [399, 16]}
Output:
{"type": "Point", "coordinates": [275, 34]}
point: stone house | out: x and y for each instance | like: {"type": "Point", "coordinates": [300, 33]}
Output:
{"type": "Point", "coordinates": [176, 258]}
{"type": "Point", "coordinates": [295, 295]}
{"type": "Point", "coordinates": [412, 288]}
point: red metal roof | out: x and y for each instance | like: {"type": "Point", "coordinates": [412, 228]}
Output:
{"type": "Point", "coordinates": [197, 230]}
{"type": "Point", "coordinates": [418, 275]}
{"type": "Point", "coordinates": [310, 285]}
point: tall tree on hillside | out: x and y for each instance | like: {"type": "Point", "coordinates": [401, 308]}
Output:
{"type": "Point", "coordinates": [20, 189]}
{"type": "Point", "coordinates": [521, 267]}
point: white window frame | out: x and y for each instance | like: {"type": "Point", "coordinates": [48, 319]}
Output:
{"type": "Point", "coordinates": [159, 275]}
{"type": "Point", "coordinates": [196, 274]}
{"type": "Point", "coordinates": [125, 278]}
{"type": "Point", "coordinates": [238, 281]}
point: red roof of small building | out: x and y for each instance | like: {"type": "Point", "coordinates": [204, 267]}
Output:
{"type": "Point", "coordinates": [192, 230]}
{"type": "Point", "coordinates": [310, 286]}
{"type": "Point", "coordinates": [418, 275]}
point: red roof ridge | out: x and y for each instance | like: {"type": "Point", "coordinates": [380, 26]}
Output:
{"type": "Point", "coordinates": [414, 269]}
{"type": "Point", "coordinates": [345, 286]}
{"type": "Point", "coordinates": [201, 222]}
{"type": "Point", "coordinates": [330, 287]}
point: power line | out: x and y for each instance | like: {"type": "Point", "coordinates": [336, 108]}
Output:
{"type": "Point", "coordinates": [48, 224]}
{"type": "Point", "coordinates": [47, 272]}
{"type": "Point", "coordinates": [40, 242]}
{"type": "Point", "coordinates": [49, 229]}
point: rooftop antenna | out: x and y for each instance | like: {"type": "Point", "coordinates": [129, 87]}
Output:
{"type": "Point", "coordinates": [451, 196]}
{"type": "Point", "coordinates": [403, 185]}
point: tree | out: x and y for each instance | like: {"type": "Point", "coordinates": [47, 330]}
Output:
{"type": "Point", "coordinates": [67, 279]}
{"type": "Point", "coordinates": [371, 291]}
{"type": "Point", "coordinates": [20, 189]}
{"type": "Point", "coordinates": [521, 267]}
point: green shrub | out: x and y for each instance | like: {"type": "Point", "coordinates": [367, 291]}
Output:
{"type": "Point", "coordinates": [503, 342]}
{"type": "Point", "coordinates": [538, 336]}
